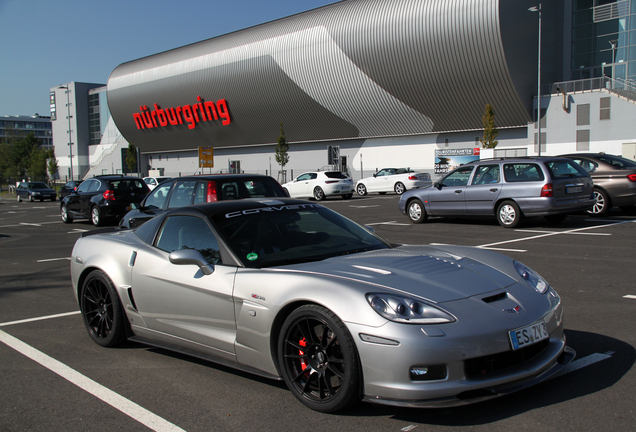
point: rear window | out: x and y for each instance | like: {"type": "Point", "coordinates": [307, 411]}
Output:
{"type": "Point", "coordinates": [336, 175]}
{"type": "Point", "coordinates": [128, 185]}
{"type": "Point", "coordinates": [565, 169]}
{"type": "Point", "coordinates": [522, 172]}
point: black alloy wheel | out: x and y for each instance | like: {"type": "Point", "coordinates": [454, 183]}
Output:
{"type": "Point", "coordinates": [318, 359]}
{"type": "Point", "coordinates": [102, 311]}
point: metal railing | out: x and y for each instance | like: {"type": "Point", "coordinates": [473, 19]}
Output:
{"type": "Point", "coordinates": [620, 87]}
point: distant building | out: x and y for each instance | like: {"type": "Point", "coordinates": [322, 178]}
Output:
{"type": "Point", "coordinates": [18, 125]}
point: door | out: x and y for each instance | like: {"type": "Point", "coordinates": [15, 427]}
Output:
{"type": "Point", "coordinates": [381, 182]}
{"type": "Point", "coordinates": [483, 190]}
{"type": "Point", "coordinates": [447, 196]}
{"type": "Point", "coordinates": [180, 300]}
{"type": "Point", "coordinates": [303, 185]}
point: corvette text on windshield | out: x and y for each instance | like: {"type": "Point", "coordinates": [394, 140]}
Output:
{"type": "Point", "coordinates": [270, 209]}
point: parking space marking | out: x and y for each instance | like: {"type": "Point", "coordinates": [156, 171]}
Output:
{"type": "Point", "coordinates": [38, 318]}
{"type": "Point", "coordinates": [584, 361]}
{"type": "Point", "coordinates": [77, 231]}
{"type": "Point", "coordinates": [482, 247]}
{"type": "Point", "coordinates": [29, 224]}
{"type": "Point", "coordinates": [53, 259]}
{"type": "Point", "coordinates": [572, 233]}
{"type": "Point", "coordinates": [363, 206]}
{"type": "Point", "coordinates": [629, 296]}
{"type": "Point", "coordinates": [388, 223]}
{"type": "Point", "coordinates": [553, 233]}
{"type": "Point", "coordinates": [113, 399]}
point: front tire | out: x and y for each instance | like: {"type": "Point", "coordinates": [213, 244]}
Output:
{"type": "Point", "coordinates": [319, 194]}
{"type": "Point", "coordinates": [508, 214]}
{"type": "Point", "coordinates": [361, 189]}
{"type": "Point", "coordinates": [318, 359]}
{"type": "Point", "coordinates": [102, 311]}
{"type": "Point", "coordinates": [96, 216]}
{"type": "Point", "coordinates": [416, 212]}
{"type": "Point", "coordinates": [399, 188]}
{"type": "Point", "coordinates": [31, 198]}
{"type": "Point", "coordinates": [66, 216]}
{"type": "Point", "coordinates": [602, 205]}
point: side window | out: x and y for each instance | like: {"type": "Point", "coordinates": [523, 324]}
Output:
{"type": "Point", "coordinates": [182, 193]}
{"type": "Point", "coordinates": [85, 185]}
{"type": "Point", "coordinates": [94, 186]}
{"type": "Point", "coordinates": [522, 172]}
{"type": "Point", "coordinates": [313, 176]}
{"type": "Point", "coordinates": [458, 177]}
{"type": "Point", "coordinates": [486, 174]}
{"type": "Point", "coordinates": [189, 232]}
{"type": "Point", "coordinates": [201, 193]}
{"type": "Point", "coordinates": [304, 177]}
{"type": "Point", "coordinates": [157, 198]}
{"type": "Point", "coordinates": [587, 165]}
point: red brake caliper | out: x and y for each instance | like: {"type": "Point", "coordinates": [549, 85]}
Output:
{"type": "Point", "coordinates": [303, 362]}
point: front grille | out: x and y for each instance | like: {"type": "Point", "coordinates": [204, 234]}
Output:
{"type": "Point", "coordinates": [496, 362]}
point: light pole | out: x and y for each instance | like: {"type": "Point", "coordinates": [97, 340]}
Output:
{"type": "Point", "coordinates": [538, 9]}
{"type": "Point", "coordinates": [68, 116]}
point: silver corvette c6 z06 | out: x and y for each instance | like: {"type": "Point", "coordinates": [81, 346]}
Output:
{"type": "Point", "coordinates": [288, 289]}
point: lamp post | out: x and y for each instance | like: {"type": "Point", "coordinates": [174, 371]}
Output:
{"type": "Point", "coordinates": [538, 9]}
{"type": "Point", "coordinates": [68, 116]}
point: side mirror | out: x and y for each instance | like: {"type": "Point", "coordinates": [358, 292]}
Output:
{"type": "Point", "coordinates": [191, 256]}
{"type": "Point", "coordinates": [375, 175]}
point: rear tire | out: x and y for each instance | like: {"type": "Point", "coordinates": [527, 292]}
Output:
{"type": "Point", "coordinates": [96, 216]}
{"type": "Point", "coordinates": [602, 205]}
{"type": "Point", "coordinates": [416, 212]}
{"type": "Point", "coordinates": [319, 194]}
{"type": "Point", "coordinates": [508, 214]}
{"type": "Point", "coordinates": [361, 189]}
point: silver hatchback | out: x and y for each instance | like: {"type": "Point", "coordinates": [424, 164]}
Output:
{"type": "Point", "coordinates": [508, 188]}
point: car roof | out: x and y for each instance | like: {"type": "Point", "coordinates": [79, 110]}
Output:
{"type": "Point", "coordinates": [517, 159]}
{"type": "Point", "coordinates": [222, 176]}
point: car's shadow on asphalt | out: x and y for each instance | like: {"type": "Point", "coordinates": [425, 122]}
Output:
{"type": "Point", "coordinates": [617, 357]}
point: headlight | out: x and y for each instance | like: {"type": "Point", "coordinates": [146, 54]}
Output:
{"type": "Point", "coordinates": [532, 277]}
{"type": "Point", "coordinates": [407, 310]}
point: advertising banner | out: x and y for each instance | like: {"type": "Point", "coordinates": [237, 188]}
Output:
{"type": "Point", "coordinates": [448, 159]}
{"type": "Point", "coordinates": [206, 157]}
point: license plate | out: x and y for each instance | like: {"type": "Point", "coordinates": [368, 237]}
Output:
{"type": "Point", "coordinates": [574, 189]}
{"type": "Point", "coordinates": [528, 335]}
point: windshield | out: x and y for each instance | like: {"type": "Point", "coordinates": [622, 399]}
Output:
{"type": "Point", "coordinates": [289, 234]}
{"type": "Point", "coordinates": [37, 185]}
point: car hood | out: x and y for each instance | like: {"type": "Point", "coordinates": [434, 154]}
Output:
{"type": "Point", "coordinates": [425, 271]}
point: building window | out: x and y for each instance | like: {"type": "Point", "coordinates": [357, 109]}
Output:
{"type": "Point", "coordinates": [543, 143]}
{"type": "Point", "coordinates": [583, 140]}
{"type": "Point", "coordinates": [605, 108]}
{"type": "Point", "coordinates": [159, 158]}
{"type": "Point", "coordinates": [445, 142]}
{"type": "Point", "coordinates": [583, 115]}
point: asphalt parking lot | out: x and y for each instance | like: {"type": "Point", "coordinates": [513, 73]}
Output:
{"type": "Point", "coordinates": [55, 378]}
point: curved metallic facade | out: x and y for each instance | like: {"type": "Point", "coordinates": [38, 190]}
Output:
{"type": "Point", "coordinates": [354, 69]}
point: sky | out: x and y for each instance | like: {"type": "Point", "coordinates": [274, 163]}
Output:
{"type": "Point", "coordinates": [44, 43]}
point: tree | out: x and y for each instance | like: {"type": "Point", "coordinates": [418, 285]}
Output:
{"type": "Point", "coordinates": [282, 157]}
{"type": "Point", "coordinates": [37, 163]}
{"type": "Point", "coordinates": [131, 158]}
{"type": "Point", "coordinates": [490, 131]}
{"type": "Point", "coordinates": [53, 166]}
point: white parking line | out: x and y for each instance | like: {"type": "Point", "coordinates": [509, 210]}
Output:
{"type": "Point", "coordinates": [566, 232]}
{"type": "Point", "coordinates": [53, 259]}
{"type": "Point", "coordinates": [389, 223]}
{"type": "Point", "coordinates": [38, 318]}
{"type": "Point", "coordinates": [629, 296]}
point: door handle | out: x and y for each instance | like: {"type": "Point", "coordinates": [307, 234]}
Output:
{"type": "Point", "coordinates": [494, 190]}
{"type": "Point", "coordinates": [457, 192]}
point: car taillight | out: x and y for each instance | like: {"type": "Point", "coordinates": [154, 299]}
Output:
{"type": "Point", "coordinates": [632, 177]}
{"type": "Point", "coordinates": [331, 181]}
{"type": "Point", "coordinates": [546, 191]}
{"type": "Point", "coordinates": [412, 177]}
{"type": "Point", "coordinates": [109, 195]}
{"type": "Point", "coordinates": [211, 195]}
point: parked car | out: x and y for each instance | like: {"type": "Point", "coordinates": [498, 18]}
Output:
{"type": "Point", "coordinates": [614, 180]}
{"type": "Point", "coordinates": [189, 190]}
{"type": "Point", "coordinates": [103, 198]}
{"type": "Point", "coordinates": [320, 185]}
{"type": "Point", "coordinates": [69, 187]}
{"type": "Point", "coordinates": [153, 182]}
{"type": "Point", "coordinates": [508, 188]}
{"type": "Point", "coordinates": [397, 180]}
{"type": "Point", "coordinates": [34, 191]}
{"type": "Point", "coordinates": [289, 289]}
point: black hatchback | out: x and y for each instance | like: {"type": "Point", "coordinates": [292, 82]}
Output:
{"type": "Point", "coordinates": [184, 191]}
{"type": "Point", "coordinates": [103, 198]}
